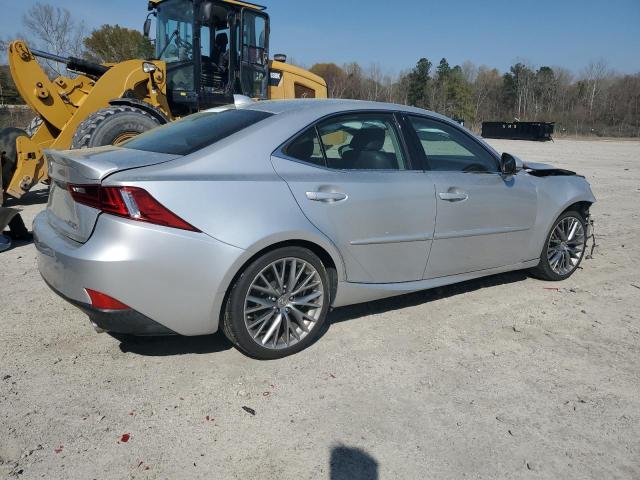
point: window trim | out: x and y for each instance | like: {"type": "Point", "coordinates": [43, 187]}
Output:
{"type": "Point", "coordinates": [425, 158]}
{"type": "Point", "coordinates": [396, 124]}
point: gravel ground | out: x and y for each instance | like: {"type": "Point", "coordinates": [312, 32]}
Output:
{"type": "Point", "coordinates": [504, 377]}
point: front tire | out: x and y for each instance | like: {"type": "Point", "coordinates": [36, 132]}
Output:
{"type": "Point", "coordinates": [278, 304]}
{"type": "Point", "coordinates": [564, 248]}
{"type": "Point", "coordinates": [112, 126]}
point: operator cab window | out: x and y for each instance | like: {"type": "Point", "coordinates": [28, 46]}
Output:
{"type": "Point", "coordinates": [174, 43]}
{"type": "Point", "coordinates": [449, 150]}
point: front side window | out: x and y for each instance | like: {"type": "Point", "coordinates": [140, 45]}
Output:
{"type": "Point", "coordinates": [449, 150]}
{"type": "Point", "coordinates": [362, 142]}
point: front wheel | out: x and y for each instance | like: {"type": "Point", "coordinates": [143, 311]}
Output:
{"type": "Point", "coordinates": [112, 126]}
{"type": "Point", "coordinates": [564, 248]}
{"type": "Point", "coordinates": [278, 304]}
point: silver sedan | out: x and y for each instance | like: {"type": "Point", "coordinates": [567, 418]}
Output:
{"type": "Point", "coordinates": [258, 220]}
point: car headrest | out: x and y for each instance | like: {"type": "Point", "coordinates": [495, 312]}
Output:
{"type": "Point", "coordinates": [369, 138]}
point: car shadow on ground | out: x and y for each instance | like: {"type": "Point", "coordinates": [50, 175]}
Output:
{"type": "Point", "coordinates": [178, 345]}
{"type": "Point", "coordinates": [173, 345]}
{"type": "Point", "coordinates": [424, 296]}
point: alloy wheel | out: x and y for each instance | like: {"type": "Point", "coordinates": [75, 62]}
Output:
{"type": "Point", "coordinates": [283, 303]}
{"type": "Point", "coordinates": [566, 245]}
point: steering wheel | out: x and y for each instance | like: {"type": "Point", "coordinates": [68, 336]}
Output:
{"type": "Point", "coordinates": [342, 149]}
{"type": "Point", "coordinates": [184, 44]}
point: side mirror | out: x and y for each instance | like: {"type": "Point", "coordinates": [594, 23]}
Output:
{"type": "Point", "coordinates": [510, 164]}
{"type": "Point", "coordinates": [147, 27]}
{"type": "Point", "coordinates": [280, 57]}
{"type": "Point", "coordinates": [206, 12]}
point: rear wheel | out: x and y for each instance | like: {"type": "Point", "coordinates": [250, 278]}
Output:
{"type": "Point", "coordinates": [112, 126]}
{"type": "Point", "coordinates": [278, 304]}
{"type": "Point", "coordinates": [9, 153]}
{"type": "Point", "coordinates": [564, 248]}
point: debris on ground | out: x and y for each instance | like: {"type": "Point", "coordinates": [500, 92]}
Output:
{"type": "Point", "coordinates": [249, 410]}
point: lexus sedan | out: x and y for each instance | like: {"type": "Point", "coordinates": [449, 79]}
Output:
{"type": "Point", "coordinates": [260, 219]}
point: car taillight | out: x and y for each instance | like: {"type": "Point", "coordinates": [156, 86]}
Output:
{"type": "Point", "coordinates": [130, 202]}
{"type": "Point", "coordinates": [105, 302]}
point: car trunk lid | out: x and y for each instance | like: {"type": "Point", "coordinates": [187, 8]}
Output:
{"type": "Point", "coordinates": [84, 168]}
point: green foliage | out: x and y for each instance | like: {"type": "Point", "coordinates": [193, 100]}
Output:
{"type": "Point", "coordinates": [113, 44]}
{"type": "Point", "coordinates": [419, 83]}
{"type": "Point", "coordinates": [443, 70]}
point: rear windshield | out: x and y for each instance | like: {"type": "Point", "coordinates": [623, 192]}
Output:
{"type": "Point", "coordinates": [195, 132]}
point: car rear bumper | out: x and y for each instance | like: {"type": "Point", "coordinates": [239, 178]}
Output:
{"type": "Point", "coordinates": [172, 278]}
{"type": "Point", "coordinates": [127, 321]}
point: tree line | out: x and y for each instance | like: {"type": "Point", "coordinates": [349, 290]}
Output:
{"type": "Point", "coordinates": [596, 101]}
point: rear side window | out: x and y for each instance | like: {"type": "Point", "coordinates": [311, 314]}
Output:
{"type": "Point", "coordinates": [306, 148]}
{"type": "Point", "coordinates": [195, 132]}
{"type": "Point", "coordinates": [351, 142]}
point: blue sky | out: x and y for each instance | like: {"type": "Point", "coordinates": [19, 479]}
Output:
{"type": "Point", "coordinates": [395, 34]}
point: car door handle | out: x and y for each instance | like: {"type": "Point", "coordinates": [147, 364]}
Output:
{"type": "Point", "coordinates": [453, 197]}
{"type": "Point", "coordinates": [327, 196]}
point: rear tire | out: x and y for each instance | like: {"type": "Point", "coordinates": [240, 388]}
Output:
{"type": "Point", "coordinates": [9, 153]}
{"type": "Point", "coordinates": [560, 244]}
{"type": "Point", "coordinates": [302, 311]}
{"type": "Point", "coordinates": [112, 126]}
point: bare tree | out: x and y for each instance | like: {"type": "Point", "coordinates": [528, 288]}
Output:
{"type": "Point", "coordinates": [469, 71]}
{"type": "Point", "coordinates": [54, 29]}
{"type": "Point", "coordinates": [373, 83]}
{"type": "Point", "coordinates": [487, 80]}
{"type": "Point", "coordinates": [594, 74]}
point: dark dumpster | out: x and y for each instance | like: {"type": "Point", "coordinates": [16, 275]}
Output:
{"type": "Point", "coordinates": [541, 131]}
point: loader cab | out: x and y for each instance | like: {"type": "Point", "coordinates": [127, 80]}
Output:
{"type": "Point", "coordinates": [213, 49]}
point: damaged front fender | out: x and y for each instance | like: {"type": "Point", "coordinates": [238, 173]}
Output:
{"type": "Point", "coordinates": [545, 170]}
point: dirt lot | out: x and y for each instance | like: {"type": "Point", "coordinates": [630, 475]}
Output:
{"type": "Point", "coordinates": [504, 377]}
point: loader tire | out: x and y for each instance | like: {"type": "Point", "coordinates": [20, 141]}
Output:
{"type": "Point", "coordinates": [8, 153]}
{"type": "Point", "coordinates": [112, 125]}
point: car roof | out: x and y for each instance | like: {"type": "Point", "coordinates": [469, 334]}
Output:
{"type": "Point", "coordinates": [321, 107]}
{"type": "Point", "coordinates": [300, 112]}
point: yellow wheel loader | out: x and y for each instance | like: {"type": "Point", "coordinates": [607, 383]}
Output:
{"type": "Point", "coordinates": [207, 51]}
